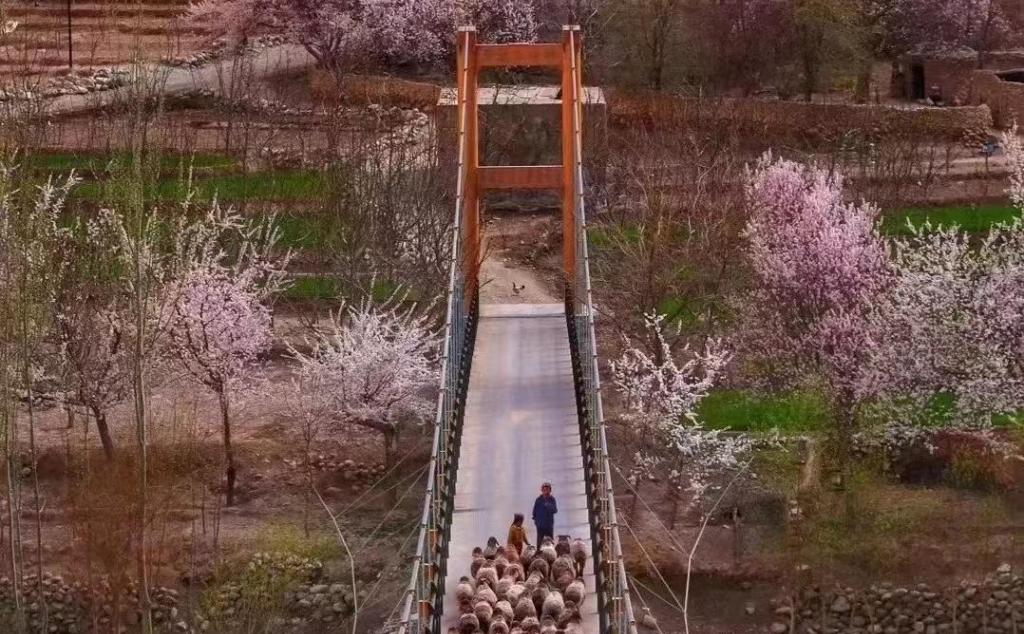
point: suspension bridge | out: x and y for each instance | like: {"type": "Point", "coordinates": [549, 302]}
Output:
{"type": "Point", "coordinates": [520, 395]}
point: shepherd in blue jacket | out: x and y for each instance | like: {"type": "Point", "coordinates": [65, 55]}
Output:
{"type": "Point", "coordinates": [544, 509]}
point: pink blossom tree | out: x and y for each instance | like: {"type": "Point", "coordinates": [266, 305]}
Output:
{"type": "Point", "coordinates": [818, 265]}
{"type": "Point", "coordinates": [340, 33]}
{"type": "Point", "coordinates": [374, 368]}
{"type": "Point", "coordinates": [220, 325]}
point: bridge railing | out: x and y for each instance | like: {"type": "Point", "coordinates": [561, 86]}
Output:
{"type": "Point", "coordinates": [421, 611]}
{"type": "Point", "coordinates": [615, 605]}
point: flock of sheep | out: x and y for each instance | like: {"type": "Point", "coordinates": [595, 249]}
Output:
{"type": "Point", "coordinates": [538, 592]}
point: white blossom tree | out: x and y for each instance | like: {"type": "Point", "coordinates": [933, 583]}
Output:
{"type": "Point", "coordinates": [374, 368]}
{"type": "Point", "coordinates": [220, 324]}
{"type": "Point", "coordinates": [661, 396]}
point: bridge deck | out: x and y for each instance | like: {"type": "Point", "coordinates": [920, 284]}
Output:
{"type": "Point", "coordinates": [520, 429]}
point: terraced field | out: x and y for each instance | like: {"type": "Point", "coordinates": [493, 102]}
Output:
{"type": "Point", "coordinates": [104, 33]}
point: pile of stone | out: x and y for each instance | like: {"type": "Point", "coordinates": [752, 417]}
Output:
{"type": "Point", "coordinates": [252, 596]}
{"type": "Point", "coordinates": [71, 606]}
{"type": "Point", "coordinates": [71, 84]}
{"type": "Point", "coordinates": [220, 49]}
{"type": "Point", "coordinates": [994, 606]}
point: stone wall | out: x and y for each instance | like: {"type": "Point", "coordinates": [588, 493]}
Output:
{"type": "Point", "coordinates": [993, 606]}
{"type": "Point", "coordinates": [808, 124]}
{"type": "Point", "coordinates": [1004, 98]}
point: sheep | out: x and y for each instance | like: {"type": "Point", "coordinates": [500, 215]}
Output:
{"type": "Point", "coordinates": [576, 592]}
{"type": "Point", "coordinates": [515, 572]}
{"type": "Point", "coordinates": [484, 593]}
{"type": "Point", "coordinates": [466, 606]}
{"type": "Point", "coordinates": [501, 590]}
{"type": "Point", "coordinates": [575, 624]}
{"type": "Point", "coordinates": [564, 565]}
{"type": "Point", "coordinates": [531, 625]}
{"type": "Point", "coordinates": [492, 548]}
{"type": "Point", "coordinates": [511, 554]}
{"type": "Point", "coordinates": [498, 626]}
{"type": "Point", "coordinates": [504, 608]}
{"type": "Point", "coordinates": [563, 581]}
{"type": "Point", "coordinates": [516, 629]}
{"type": "Point", "coordinates": [547, 626]}
{"type": "Point", "coordinates": [528, 554]}
{"type": "Point", "coordinates": [500, 564]}
{"type": "Point", "coordinates": [579, 555]}
{"type": "Point", "coordinates": [525, 609]}
{"type": "Point", "coordinates": [515, 593]}
{"type": "Point", "coordinates": [540, 565]}
{"type": "Point", "coordinates": [553, 605]}
{"type": "Point", "coordinates": [562, 547]}
{"type": "Point", "coordinates": [465, 589]}
{"type": "Point", "coordinates": [535, 579]}
{"type": "Point", "coordinates": [539, 596]}
{"type": "Point", "coordinates": [468, 623]}
{"type": "Point", "coordinates": [567, 614]}
{"type": "Point", "coordinates": [484, 612]}
{"type": "Point", "coordinates": [477, 563]}
{"type": "Point", "coordinates": [488, 575]}
{"type": "Point", "coordinates": [547, 550]}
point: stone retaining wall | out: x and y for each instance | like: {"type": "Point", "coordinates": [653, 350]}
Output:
{"type": "Point", "coordinates": [793, 121]}
{"type": "Point", "coordinates": [994, 606]}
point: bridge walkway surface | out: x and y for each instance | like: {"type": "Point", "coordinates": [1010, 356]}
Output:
{"type": "Point", "coordinates": [521, 429]}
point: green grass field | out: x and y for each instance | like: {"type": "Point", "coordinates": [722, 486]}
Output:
{"type": "Point", "coordinates": [741, 410]}
{"type": "Point", "coordinates": [296, 185]}
{"type": "Point", "coordinates": [975, 219]}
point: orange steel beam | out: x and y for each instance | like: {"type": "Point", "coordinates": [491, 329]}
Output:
{"type": "Point", "coordinates": [570, 40]}
{"type": "Point", "coordinates": [471, 189]}
{"type": "Point", "coordinates": [521, 177]}
{"type": "Point", "coordinates": [533, 55]}
{"type": "Point", "coordinates": [472, 58]}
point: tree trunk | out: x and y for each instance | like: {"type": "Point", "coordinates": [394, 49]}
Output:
{"type": "Point", "coordinates": [863, 94]}
{"type": "Point", "coordinates": [104, 430]}
{"type": "Point", "coordinates": [390, 442]}
{"type": "Point", "coordinates": [229, 452]}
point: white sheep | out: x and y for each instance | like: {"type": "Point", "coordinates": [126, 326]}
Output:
{"type": "Point", "coordinates": [468, 623]}
{"type": "Point", "coordinates": [579, 555]}
{"type": "Point", "coordinates": [547, 550]}
{"type": "Point", "coordinates": [553, 605]}
{"type": "Point", "coordinates": [484, 613]}
{"type": "Point", "coordinates": [484, 593]}
{"type": "Point", "coordinates": [531, 625]}
{"type": "Point", "coordinates": [464, 590]}
{"type": "Point", "coordinates": [504, 608]}
{"type": "Point", "coordinates": [525, 609]}
{"type": "Point", "coordinates": [563, 566]}
{"type": "Point", "coordinates": [516, 592]}
{"type": "Point", "coordinates": [576, 592]}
